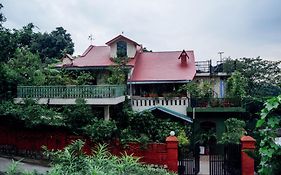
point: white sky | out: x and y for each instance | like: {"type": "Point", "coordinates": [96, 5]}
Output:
{"type": "Point", "coordinates": [240, 28]}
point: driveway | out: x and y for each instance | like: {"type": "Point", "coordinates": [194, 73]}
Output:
{"type": "Point", "coordinates": [5, 163]}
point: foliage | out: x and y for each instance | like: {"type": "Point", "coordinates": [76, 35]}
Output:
{"type": "Point", "coordinates": [198, 90]}
{"type": "Point", "coordinates": [72, 160]}
{"type": "Point", "coordinates": [145, 125]}
{"type": "Point", "coordinates": [78, 115]}
{"type": "Point", "coordinates": [2, 17]}
{"type": "Point", "coordinates": [118, 72]}
{"type": "Point", "coordinates": [101, 130]}
{"type": "Point", "coordinates": [183, 139]}
{"type": "Point", "coordinates": [236, 85]}
{"type": "Point", "coordinates": [267, 125]}
{"type": "Point", "coordinates": [31, 113]}
{"type": "Point", "coordinates": [234, 131]}
{"type": "Point", "coordinates": [206, 137]}
{"type": "Point", "coordinates": [24, 68]}
{"type": "Point", "coordinates": [263, 77]}
{"type": "Point", "coordinates": [52, 45]}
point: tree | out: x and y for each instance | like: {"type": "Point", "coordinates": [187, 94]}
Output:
{"type": "Point", "coordinates": [52, 46]}
{"type": "Point", "coordinates": [236, 85]}
{"type": "Point", "coordinates": [263, 76]}
{"type": "Point", "coordinates": [24, 68]}
{"type": "Point", "coordinates": [2, 17]}
{"type": "Point", "coordinates": [234, 131]}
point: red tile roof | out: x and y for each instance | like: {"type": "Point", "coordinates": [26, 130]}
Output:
{"type": "Point", "coordinates": [148, 66]}
{"type": "Point", "coordinates": [121, 37]}
{"type": "Point", "coordinates": [97, 56]}
{"type": "Point", "coordinates": [163, 66]}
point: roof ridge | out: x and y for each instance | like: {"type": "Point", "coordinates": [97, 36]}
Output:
{"type": "Point", "coordinates": [169, 51]}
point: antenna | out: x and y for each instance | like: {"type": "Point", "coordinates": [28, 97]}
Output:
{"type": "Point", "coordinates": [91, 38]}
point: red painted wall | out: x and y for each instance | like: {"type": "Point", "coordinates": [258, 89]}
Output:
{"type": "Point", "coordinates": [163, 154]}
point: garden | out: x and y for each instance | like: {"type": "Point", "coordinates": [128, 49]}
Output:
{"type": "Point", "coordinates": [29, 58]}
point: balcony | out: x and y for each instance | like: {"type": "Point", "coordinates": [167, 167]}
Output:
{"type": "Point", "coordinates": [177, 104]}
{"type": "Point", "coordinates": [216, 105]}
{"type": "Point", "coordinates": [61, 95]}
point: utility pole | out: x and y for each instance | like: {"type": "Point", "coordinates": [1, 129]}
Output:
{"type": "Point", "coordinates": [220, 53]}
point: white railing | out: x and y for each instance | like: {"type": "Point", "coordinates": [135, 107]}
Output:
{"type": "Point", "coordinates": [178, 104]}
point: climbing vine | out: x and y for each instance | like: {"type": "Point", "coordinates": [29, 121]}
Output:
{"type": "Point", "coordinates": [268, 124]}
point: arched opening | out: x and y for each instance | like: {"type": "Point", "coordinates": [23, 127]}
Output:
{"type": "Point", "coordinates": [207, 134]}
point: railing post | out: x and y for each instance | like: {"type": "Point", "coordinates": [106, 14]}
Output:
{"type": "Point", "coordinates": [247, 163]}
{"type": "Point", "coordinates": [172, 153]}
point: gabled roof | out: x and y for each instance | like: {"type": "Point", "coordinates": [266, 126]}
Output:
{"type": "Point", "coordinates": [171, 112]}
{"type": "Point", "coordinates": [163, 66]}
{"type": "Point", "coordinates": [96, 56]}
{"type": "Point", "coordinates": [121, 37]}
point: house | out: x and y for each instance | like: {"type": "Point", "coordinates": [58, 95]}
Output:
{"type": "Point", "coordinates": [152, 83]}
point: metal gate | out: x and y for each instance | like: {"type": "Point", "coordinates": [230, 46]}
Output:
{"type": "Point", "coordinates": [225, 159]}
{"type": "Point", "coordinates": [188, 161]}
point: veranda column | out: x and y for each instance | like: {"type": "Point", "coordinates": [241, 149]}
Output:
{"type": "Point", "coordinates": [106, 113]}
{"type": "Point", "coordinates": [247, 163]}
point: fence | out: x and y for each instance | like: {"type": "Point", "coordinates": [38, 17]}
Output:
{"type": "Point", "coordinates": [81, 91]}
{"type": "Point", "coordinates": [28, 142]}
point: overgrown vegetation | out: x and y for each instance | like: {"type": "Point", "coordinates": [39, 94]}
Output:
{"type": "Point", "coordinates": [202, 89]}
{"type": "Point", "coordinates": [236, 85]}
{"type": "Point", "coordinates": [267, 126]}
{"type": "Point", "coordinates": [263, 77]}
{"type": "Point", "coordinates": [145, 127]}
{"type": "Point", "coordinates": [234, 131]}
{"type": "Point", "coordinates": [72, 160]}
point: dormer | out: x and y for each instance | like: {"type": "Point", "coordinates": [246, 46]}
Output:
{"type": "Point", "coordinates": [122, 47]}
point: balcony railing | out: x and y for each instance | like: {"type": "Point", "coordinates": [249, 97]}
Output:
{"type": "Point", "coordinates": [216, 102]}
{"type": "Point", "coordinates": [81, 91]}
{"type": "Point", "coordinates": [159, 101]}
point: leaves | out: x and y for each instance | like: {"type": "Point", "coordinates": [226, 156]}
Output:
{"type": "Point", "coordinates": [72, 160]}
{"type": "Point", "coordinates": [234, 130]}
{"type": "Point", "coordinates": [267, 125]}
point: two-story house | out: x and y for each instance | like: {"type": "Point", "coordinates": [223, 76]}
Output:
{"type": "Point", "coordinates": [152, 83]}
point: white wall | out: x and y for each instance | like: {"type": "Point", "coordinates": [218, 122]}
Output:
{"type": "Point", "coordinates": [176, 104]}
{"type": "Point", "coordinates": [131, 50]}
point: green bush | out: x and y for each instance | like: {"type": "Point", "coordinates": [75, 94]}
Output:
{"type": "Point", "coordinates": [101, 130]}
{"type": "Point", "coordinates": [234, 131]}
{"type": "Point", "coordinates": [72, 160]}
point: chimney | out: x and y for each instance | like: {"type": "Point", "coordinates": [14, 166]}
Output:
{"type": "Point", "coordinates": [183, 56]}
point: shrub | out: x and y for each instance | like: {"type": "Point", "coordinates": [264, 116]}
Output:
{"type": "Point", "coordinates": [234, 131]}
{"type": "Point", "coordinates": [101, 130]}
{"type": "Point", "coordinates": [73, 161]}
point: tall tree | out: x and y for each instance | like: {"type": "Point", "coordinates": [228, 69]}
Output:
{"type": "Point", "coordinates": [2, 17]}
{"type": "Point", "coordinates": [52, 46]}
{"type": "Point", "coordinates": [263, 76]}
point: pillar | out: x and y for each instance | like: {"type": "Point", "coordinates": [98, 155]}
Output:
{"type": "Point", "coordinates": [172, 153]}
{"type": "Point", "coordinates": [106, 112]}
{"type": "Point", "coordinates": [247, 163]}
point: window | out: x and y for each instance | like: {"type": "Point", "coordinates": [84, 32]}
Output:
{"type": "Point", "coordinates": [121, 49]}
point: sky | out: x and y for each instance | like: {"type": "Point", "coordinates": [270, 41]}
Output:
{"type": "Point", "coordinates": [239, 28]}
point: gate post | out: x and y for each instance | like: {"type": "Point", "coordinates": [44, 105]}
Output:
{"type": "Point", "coordinates": [172, 153]}
{"type": "Point", "coordinates": [247, 163]}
